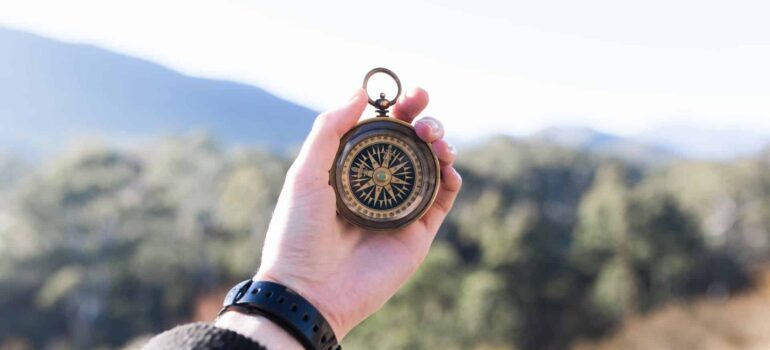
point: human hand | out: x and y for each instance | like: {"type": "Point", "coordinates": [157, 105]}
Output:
{"type": "Point", "coordinates": [345, 271]}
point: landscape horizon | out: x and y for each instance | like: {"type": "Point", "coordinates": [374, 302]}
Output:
{"type": "Point", "coordinates": [70, 93]}
{"type": "Point", "coordinates": [132, 195]}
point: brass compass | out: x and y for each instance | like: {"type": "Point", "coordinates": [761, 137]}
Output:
{"type": "Point", "coordinates": [384, 175]}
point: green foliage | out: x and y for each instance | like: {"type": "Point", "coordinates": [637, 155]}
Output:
{"type": "Point", "coordinates": [555, 246]}
{"type": "Point", "coordinates": [545, 245]}
{"type": "Point", "coordinates": [108, 245]}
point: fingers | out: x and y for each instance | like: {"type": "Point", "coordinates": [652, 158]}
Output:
{"type": "Point", "coordinates": [429, 129]}
{"type": "Point", "coordinates": [317, 154]}
{"type": "Point", "coordinates": [445, 152]}
{"type": "Point", "coordinates": [414, 101]}
{"type": "Point", "coordinates": [447, 193]}
{"type": "Point", "coordinates": [451, 181]}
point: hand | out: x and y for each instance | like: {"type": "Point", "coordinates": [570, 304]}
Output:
{"type": "Point", "coordinates": [348, 272]}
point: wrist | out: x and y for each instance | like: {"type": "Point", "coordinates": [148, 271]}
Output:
{"type": "Point", "coordinates": [309, 292]}
{"type": "Point", "coordinates": [286, 308]}
{"type": "Point", "coordinates": [259, 329]}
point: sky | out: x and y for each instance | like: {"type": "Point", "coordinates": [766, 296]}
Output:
{"type": "Point", "coordinates": [511, 67]}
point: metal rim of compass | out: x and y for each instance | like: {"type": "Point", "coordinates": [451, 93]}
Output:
{"type": "Point", "coordinates": [426, 160]}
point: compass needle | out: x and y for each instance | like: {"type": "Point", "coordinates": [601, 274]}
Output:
{"type": "Point", "coordinates": [386, 160]}
{"type": "Point", "coordinates": [374, 163]}
{"type": "Point", "coordinates": [377, 192]}
{"type": "Point", "coordinates": [397, 167]}
{"type": "Point", "coordinates": [366, 185]}
{"type": "Point", "coordinates": [398, 181]}
{"type": "Point", "coordinates": [389, 189]}
{"type": "Point", "coordinates": [368, 196]}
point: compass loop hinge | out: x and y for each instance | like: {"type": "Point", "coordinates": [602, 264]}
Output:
{"type": "Point", "coordinates": [382, 104]}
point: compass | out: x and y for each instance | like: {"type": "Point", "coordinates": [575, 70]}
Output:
{"type": "Point", "coordinates": [384, 175]}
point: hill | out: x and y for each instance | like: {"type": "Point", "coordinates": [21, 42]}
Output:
{"type": "Point", "coordinates": [600, 143]}
{"type": "Point", "coordinates": [52, 91]}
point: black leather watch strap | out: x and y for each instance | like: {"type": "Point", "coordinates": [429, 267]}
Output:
{"type": "Point", "coordinates": [287, 309]}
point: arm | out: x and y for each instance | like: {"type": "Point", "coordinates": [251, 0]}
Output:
{"type": "Point", "coordinates": [259, 329]}
{"type": "Point", "coordinates": [345, 271]}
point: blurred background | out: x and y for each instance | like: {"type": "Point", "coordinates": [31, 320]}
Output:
{"type": "Point", "coordinates": [615, 161]}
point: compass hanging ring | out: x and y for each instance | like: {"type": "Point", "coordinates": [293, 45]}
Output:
{"type": "Point", "coordinates": [382, 104]}
{"type": "Point", "coordinates": [384, 176]}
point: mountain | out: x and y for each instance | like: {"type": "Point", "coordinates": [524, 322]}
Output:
{"type": "Point", "coordinates": [52, 91]}
{"type": "Point", "coordinates": [701, 143]}
{"type": "Point", "coordinates": [660, 145]}
{"type": "Point", "coordinates": [605, 144]}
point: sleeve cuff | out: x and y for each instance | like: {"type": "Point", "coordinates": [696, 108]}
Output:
{"type": "Point", "coordinates": [199, 336]}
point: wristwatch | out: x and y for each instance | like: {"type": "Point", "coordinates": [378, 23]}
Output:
{"type": "Point", "coordinates": [286, 308]}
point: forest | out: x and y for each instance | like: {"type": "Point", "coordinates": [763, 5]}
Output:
{"type": "Point", "coordinates": [546, 248]}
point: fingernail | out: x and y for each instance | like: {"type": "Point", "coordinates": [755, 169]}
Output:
{"type": "Point", "coordinates": [452, 149]}
{"type": "Point", "coordinates": [433, 124]}
{"type": "Point", "coordinates": [457, 173]}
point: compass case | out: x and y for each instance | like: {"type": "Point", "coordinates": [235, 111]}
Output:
{"type": "Point", "coordinates": [384, 176]}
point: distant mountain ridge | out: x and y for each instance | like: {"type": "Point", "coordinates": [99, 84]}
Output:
{"type": "Point", "coordinates": [604, 144]}
{"type": "Point", "coordinates": [52, 91]}
{"type": "Point", "coordinates": [700, 143]}
{"type": "Point", "coordinates": [660, 145]}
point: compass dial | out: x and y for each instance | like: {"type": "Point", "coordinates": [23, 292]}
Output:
{"type": "Point", "coordinates": [381, 176]}
{"type": "Point", "coordinates": [385, 177]}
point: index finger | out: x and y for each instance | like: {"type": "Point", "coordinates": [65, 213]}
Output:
{"type": "Point", "coordinates": [413, 102]}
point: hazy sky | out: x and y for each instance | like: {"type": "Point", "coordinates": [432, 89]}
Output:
{"type": "Point", "coordinates": [490, 66]}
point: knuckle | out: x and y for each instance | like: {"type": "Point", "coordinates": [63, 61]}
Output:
{"type": "Point", "coordinates": [322, 121]}
{"type": "Point", "coordinates": [454, 180]}
{"type": "Point", "coordinates": [294, 170]}
{"type": "Point", "coordinates": [442, 208]}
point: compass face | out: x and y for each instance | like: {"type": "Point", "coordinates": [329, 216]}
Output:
{"type": "Point", "coordinates": [384, 178]}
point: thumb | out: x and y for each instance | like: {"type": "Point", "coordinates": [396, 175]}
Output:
{"type": "Point", "coordinates": [317, 154]}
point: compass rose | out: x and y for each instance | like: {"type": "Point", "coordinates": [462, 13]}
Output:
{"type": "Point", "coordinates": [381, 176]}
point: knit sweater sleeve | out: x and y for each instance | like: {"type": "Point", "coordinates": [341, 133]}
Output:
{"type": "Point", "coordinates": [201, 336]}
